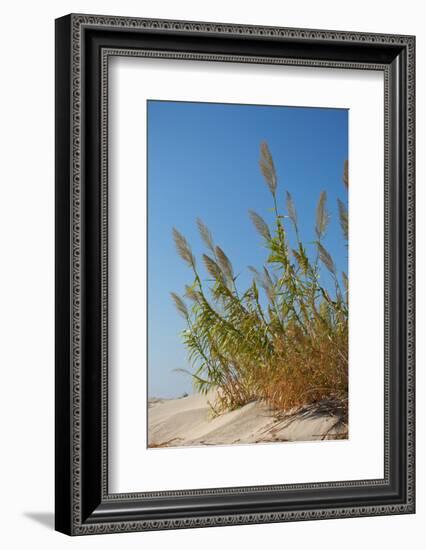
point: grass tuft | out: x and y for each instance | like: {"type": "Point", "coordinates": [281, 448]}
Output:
{"type": "Point", "coordinates": [284, 339]}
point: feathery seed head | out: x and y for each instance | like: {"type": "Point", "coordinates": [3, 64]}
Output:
{"type": "Point", "coordinates": [322, 217]}
{"type": "Point", "coordinates": [205, 234]}
{"type": "Point", "coordinates": [224, 263]}
{"type": "Point", "coordinates": [180, 305]}
{"type": "Point", "coordinates": [345, 176]}
{"type": "Point", "coordinates": [343, 215]}
{"type": "Point", "coordinates": [260, 225]}
{"type": "Point", "coordinates": [212, 268]}
{"type": "Point", "coordinates": [183, 248]}
{"type": "Point", "coordinates": [291, 209]}
{"type": "Point", "coordinates": [326, 258]}
{"type": "Point", "coordinates": [267, 167]}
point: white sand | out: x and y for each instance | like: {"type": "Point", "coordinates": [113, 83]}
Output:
{"type": "Point", "coordinates": [188, 421]}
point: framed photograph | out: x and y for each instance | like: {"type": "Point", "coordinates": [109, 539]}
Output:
{"type": "Point", "coordinates": [234, 274]}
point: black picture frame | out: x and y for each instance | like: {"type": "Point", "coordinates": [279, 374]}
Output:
{"type": "Point", "coordinates": [83, 45]}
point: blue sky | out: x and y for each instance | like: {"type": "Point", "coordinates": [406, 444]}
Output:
{"type": "Point", "coordinates": [203, 161]}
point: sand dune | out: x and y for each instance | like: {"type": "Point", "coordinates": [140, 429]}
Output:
{"type": "Point", "coordinates": [188, 421]}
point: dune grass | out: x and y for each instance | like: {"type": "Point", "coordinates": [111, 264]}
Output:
{"type": "Point", "coordinates": [284, 339]}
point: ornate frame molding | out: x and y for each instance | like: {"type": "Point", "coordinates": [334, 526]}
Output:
{"type": "Point", "coordinates": [72, 47]}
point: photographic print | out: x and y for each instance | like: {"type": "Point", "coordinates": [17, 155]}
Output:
{"type": "Point", "coordinates": [247, 274]}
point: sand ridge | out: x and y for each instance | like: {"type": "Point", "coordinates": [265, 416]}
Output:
{"type": "Point", "coordinates": [188, 421]}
